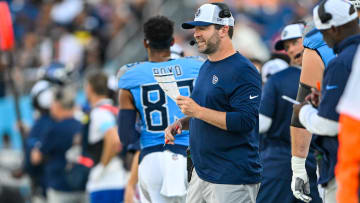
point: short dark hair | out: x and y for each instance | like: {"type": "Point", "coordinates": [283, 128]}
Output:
{"type": "Point", "coordinates": [159, 31]}
{"type": "Point", "coordinates": [231, 29]}
{"type": "Point", "coordinates": [98, 82]}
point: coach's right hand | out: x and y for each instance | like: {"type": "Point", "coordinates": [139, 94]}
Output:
{"type": "Point", "coordinates": [171, 131]}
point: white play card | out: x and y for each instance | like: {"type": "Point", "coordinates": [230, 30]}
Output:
{"type": "Point", "coordinates": [168, 84]}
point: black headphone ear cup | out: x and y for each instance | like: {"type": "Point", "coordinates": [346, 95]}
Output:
{"type": "Point", "coordinates": [225, 12]}
{"type": "Point", "coordinates": [44, 98]}
{"type": "Point", "coordinates": [221, 14]}
{"type": "Point", "coordinates": [323, 15]}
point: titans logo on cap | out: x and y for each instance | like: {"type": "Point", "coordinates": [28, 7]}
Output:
{"type": "Point", "coordinates": [197, 13]}
{"type": "Point", "coordinates": [284, 34]}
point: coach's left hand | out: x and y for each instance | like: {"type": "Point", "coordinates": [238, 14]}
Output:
{"type": "Point", "coordinates": [188, 106]}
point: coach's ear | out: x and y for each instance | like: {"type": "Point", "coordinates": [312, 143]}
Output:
{"type": "Point", "coordinates": [146, 43]}
{"type": "Point", "coordinates": [172, 42]}
{"type": "Point", "coordinates": [224, 31]}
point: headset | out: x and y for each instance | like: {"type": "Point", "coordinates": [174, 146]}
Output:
{"type": "Point", "coordinates": [323, 15]}
{"type": "Point", "coordinates": [356, 3]}
{"type": "Point", "coordinates": [225, 11]}
{"type": "Point", "coordinates": [42, 95]}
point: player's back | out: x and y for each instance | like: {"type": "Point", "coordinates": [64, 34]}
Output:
{"type": "Point", "coordinates": [157, 110]}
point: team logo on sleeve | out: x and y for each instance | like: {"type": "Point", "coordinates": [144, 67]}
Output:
{"type": "Point", "coordinates": [215, 79]}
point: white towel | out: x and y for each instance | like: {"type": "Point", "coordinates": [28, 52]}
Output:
{"type": "Point", "coordinates": [174, 175]}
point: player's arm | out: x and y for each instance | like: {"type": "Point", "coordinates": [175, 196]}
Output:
{"type": "Point", "coordinates": [127, 118]}
{"type": "Point", "coordinates": [311, 73]}
{"type": "Point", "coordinates": [312, 68]}
{"type": "Point", "coordinates": [128, 136]}
{"type": "Point", "coordinates": [323, 121]}
{"type": "Point", "coordinates": [131, 185]}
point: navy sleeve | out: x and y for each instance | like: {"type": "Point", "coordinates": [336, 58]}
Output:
{"type": "Point", "coordinates": [334, 83]}
{"type": "Point", "coordinates": [38, 131]}
{"type": "Point", "coordinates": [268, 98]}
{"type": "Point", "coordinates": [126, 129]}
{"type": "Point", "coordinates": [245, 102]}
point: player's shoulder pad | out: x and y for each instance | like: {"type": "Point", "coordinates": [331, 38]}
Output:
{"type": "Point", "coordinates": [313, 39]}
{"type": "Point", "coordinates": [125, 68]}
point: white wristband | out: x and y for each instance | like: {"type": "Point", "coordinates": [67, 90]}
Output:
{"type": "Point", "coordinates": [298, 164]}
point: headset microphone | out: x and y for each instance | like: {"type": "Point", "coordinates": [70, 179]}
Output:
{"type": "Point", "coordinates": [192, 42]}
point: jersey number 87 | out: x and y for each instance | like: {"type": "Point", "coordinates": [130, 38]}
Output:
{"type": "Point", "coordinates": [159, 105]}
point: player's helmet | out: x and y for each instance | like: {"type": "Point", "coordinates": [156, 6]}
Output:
{"type": "Point", "coordinates": [57, 73]}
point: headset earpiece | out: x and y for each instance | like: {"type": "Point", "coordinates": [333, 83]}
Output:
{"type": "Point", "coordinates": [225, 11]}
{"type": "Point", "coordinates": [323, 15]}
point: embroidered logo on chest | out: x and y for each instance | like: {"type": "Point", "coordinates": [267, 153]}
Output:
{"type": "Point", "coordinates": [215, 79]}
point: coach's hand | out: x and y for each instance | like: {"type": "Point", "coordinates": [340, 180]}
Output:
{"type": "Point", "coordinates": [314, 97]}
{"type": "Point", "coordinates": [300, 185]}
{"type": "Point", "coordinates": [188, 106]}
{"type": "Point", "coordinates": [171, 131]}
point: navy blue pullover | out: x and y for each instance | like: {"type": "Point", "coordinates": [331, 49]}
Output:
{"type": "Point", "coordinates": [334, 81]}
{"type": "Point", "coordinates": [231, 85]}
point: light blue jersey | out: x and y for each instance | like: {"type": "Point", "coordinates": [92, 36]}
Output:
{"type": "Point", "coordinates": [314, 40]}
{"type": "Point", "coordinates": [156, 109]}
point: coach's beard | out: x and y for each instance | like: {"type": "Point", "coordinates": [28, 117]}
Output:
{"type": "Point", "coordinates": [210, 46]}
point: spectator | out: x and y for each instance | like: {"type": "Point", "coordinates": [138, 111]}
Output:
{"type": "Point", "coordinates": [273, 66]}
{"type": "Point", "coordinates": [52, 148]}
{"type": "Point", "coordinates": [42, 97]}
{"type": "Point", "coordinates": [103, 144]}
